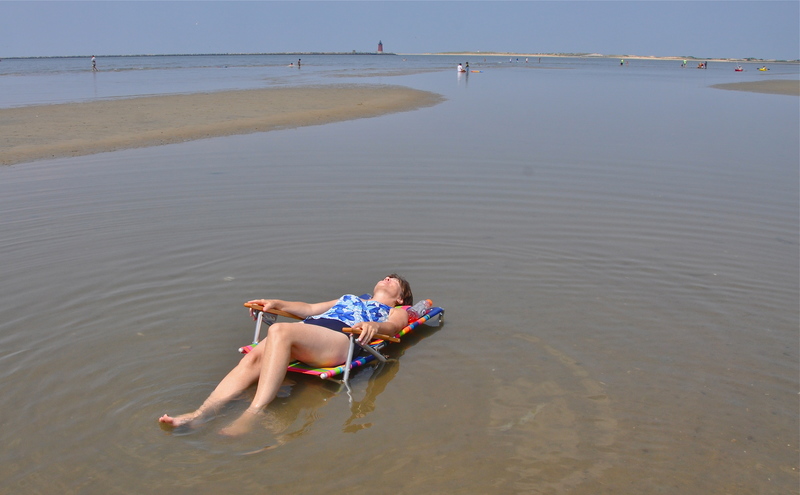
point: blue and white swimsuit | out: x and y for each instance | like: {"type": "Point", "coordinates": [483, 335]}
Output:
{"type": "Point", "coordinates": [349, 310]}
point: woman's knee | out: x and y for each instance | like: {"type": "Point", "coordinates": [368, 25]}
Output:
{"type": "Point", "coordinates": [253, 358]}
{"type": "Point", "coordinates": [279, 331]}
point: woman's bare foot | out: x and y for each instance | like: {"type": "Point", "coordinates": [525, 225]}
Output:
{"type": "Point", "coordinates": [182, 420]}
{"type": "Point", "coordinates": [242, 425]}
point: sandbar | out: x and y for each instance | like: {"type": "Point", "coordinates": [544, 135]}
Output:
{"type": "Point", "coordinates": [776, 87]}
{"type": "Point", "coordinates": [76, 129]}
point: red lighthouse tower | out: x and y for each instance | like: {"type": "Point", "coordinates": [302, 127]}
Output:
{"type": "Point", "coordinates": [380, 47]}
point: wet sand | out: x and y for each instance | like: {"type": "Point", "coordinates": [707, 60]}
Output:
{"type": "Point", "coordinates": [779, 87]}
{"type": "Point", "coordinates": [77, 129]}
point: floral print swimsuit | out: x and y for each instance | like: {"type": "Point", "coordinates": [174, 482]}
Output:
{"type": "Point", "coordinates": [350, 309]}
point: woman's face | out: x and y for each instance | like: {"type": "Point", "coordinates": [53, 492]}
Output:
{"type": "Point", "coordinates": [391, 286]}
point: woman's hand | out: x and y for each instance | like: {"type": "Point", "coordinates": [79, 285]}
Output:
{"type": "Point", "coordinates": [266, 303]}
{"type": "Point", "coordinates": [368, 331]}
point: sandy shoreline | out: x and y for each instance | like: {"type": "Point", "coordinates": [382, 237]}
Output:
{"type": "Point", "coordinates": [777, 87]}
{"type": "Point", "coordinates": [78, 129]}
{"type": "Point", "coordinates": [601, 55]}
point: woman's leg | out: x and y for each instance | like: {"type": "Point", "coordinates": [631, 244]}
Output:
{"type": "Point", "coordinates": [311, 344]}
{"type": "Point", "coordinates": [235, 382]}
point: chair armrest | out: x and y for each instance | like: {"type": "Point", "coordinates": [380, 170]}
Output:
{"type": "Point", "coordinates": [357, 331]}
{"type": "Point", "coordinates": [278, 312]}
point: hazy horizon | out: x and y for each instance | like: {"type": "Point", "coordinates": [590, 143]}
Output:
{"type": "Point", "coordinates": [767, 30]}
{"type": "Point", "coordinates": [453, 53]}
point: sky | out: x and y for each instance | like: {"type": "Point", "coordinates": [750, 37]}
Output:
{"type": "Point", "coordinates": [768, 29]}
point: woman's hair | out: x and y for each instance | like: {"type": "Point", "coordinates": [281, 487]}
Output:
{"type": "Point", "coordinates": [405, 290]}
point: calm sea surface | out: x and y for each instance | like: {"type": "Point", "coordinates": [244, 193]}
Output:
{"type": "Point", "coordinates": [616, 249]}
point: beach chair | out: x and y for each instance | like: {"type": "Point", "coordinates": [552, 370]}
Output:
{"type": "Point", "coordinates": [434, 314]}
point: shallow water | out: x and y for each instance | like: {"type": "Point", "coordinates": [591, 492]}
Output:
{"type": "Point", "coordinates": [617, 254]}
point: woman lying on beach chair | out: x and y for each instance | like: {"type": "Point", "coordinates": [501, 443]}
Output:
{"type": "Point", "coordinates": [421, 314]}
{"type": "Point", "coordinates": [318, 340]}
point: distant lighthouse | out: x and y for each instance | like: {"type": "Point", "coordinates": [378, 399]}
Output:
{"type": "Point", "coordinates": [380, 47]}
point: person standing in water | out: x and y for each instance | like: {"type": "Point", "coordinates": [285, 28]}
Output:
{"type": "Point", "coordinates": [94, 64]}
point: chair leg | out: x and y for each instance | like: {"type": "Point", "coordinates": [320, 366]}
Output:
{"type": "Point", "coordinates": [349, 359]}
{"type": "Point", "coordinates": [266, 318]}
{"type": "Point", "coordinates": [375, 353]}
{"type": "Point", "coordinates": [257, 333]}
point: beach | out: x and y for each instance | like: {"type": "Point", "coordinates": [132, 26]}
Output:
{"type": "Point", "coordinates": [615, 248]}
{"type": "Point", "coordinates": [76, 129]}
{"type": "Point", "coordinates": [599, 56]}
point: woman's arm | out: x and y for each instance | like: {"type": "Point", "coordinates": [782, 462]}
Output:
{"type": "Point", "coordinates": [302, 309]}
{"type": "Point", "coordinates": [398, 319]}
